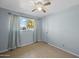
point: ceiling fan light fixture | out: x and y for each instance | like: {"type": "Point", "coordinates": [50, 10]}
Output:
{"type": "Point", "coordinates": [41, 5]}
{"type": "Point", "coordinates": [39, 9]}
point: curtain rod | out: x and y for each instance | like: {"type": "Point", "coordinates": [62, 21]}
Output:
{"type": "Point", "coordinates": [18, 15]}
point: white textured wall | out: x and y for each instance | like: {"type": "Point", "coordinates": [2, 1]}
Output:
{"type": "Point", "coordinates": [62, 29]}
{"type": "Point", "coordinates": [26, 37]}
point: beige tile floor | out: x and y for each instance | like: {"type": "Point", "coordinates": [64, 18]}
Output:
{"type": "Point", "coordinates": [38, 50]}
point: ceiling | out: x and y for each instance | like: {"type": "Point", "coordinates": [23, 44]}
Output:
{"type": "Point", "coordinates": [25, 6]}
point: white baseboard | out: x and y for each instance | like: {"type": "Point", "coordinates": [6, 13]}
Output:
{"type": "Point", "coordinates": [64, 50]}
{"type": "Point", "coordinates": [26, 44]}
{"type": "Point", "coordinates": [15, 47]}
{"type": "Point", "coordinates": [4, 51]}
{"type": "Point", "coordinates": [39, 40]}
{"type": "Point", "coordinates": [7, 50]}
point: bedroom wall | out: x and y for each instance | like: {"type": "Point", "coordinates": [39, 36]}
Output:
{"type": "Point", "coordinates": [62, 29]}
{"type": "Point", "coordinates": [4, 29]}
{"type": "Point", "coordinates": [39, 30]}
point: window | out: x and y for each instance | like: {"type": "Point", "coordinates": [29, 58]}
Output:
{"type": "Point", "coordinates": [31, 24]}
{"type": "Point", "coordinates": [27, 24]}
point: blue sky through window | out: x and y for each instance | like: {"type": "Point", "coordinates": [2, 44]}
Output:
{"type": "Point", "coordinates": [23, 21]}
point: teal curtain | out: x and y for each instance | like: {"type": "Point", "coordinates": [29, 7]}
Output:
{"type": "Point", "coordinates": [14, 32]}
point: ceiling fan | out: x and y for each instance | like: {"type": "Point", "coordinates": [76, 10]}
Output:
{"type": "Point", "coordinates": [41, 5]}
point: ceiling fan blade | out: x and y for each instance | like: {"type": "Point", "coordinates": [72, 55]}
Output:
{"type": "Point", "coordinates": [48, 3]}
{"type": "Point", "coordinates": [44, 10]}
{"type": "Point", "coordinates": [33, 10]}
